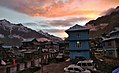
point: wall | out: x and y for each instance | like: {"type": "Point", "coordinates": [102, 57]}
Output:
{"type": "Point", "coordinates": [83, 35]}
{"type": "Point", "coordinates": [84, 45]}
{"type": "Point", "coordinates": [83, 38]}
{"type": "Point", "coordinates": [22, 66]}
{"type": "Point", "coordinates": [85, 54]}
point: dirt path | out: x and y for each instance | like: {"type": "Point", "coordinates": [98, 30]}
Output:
{"type": "Point", "coordinates": [54, 67]}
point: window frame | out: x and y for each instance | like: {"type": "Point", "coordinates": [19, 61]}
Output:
{"type": "Point", "coordinates": [78, 34]}
{"type": "Point", "coordinates": [78, 44]}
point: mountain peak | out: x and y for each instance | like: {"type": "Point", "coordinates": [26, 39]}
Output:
{"type": "Point", "coordinates": [19, 24]}
{"type": "Point", "coordinates": [4, 21]}
{"type": "Point", "coordinates": [13, 34]}
{"type": "Point", "coordinates": [117, 7]}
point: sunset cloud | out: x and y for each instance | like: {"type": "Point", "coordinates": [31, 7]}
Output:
{"type": "Point", "coordinates": [57, 8]}
{"type": "Point", "coordinates": [67, 22]}
{"type": "Point", "coordinates": [61, 32]}
{"type": "Point", "coordinates": [53, 15]}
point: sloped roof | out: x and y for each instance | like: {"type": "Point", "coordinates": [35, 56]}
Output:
{"type": "Point", "coordinates": [77, 27]}
{"type": "Point", "coordinates": [28, 40]}
{"type": "Point", "coordinates": [42, 39]}
{"type": "Point", "coordinates": [111, 38]}
{"type": "Point", "coordinates": [116, 29]}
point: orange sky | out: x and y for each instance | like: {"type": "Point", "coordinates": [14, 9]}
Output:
{"type": "Point", "coordinates": [89, 8]}
{"type": "Point", "coordinates": [66, 12]}
{"type": "Point", "coordinates": [59, 8]}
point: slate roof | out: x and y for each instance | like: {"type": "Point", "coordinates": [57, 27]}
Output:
{"type": "Point", "coordinates": [77, 28]}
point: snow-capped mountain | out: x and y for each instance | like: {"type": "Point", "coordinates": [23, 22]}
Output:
{"type": "Point", "coordinates": [13, 34]}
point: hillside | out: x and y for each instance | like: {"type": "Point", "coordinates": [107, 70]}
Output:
{"type": "Point", "coordinates": [104, 24]}
{"type": "Point", "coordinates": [13, 34]}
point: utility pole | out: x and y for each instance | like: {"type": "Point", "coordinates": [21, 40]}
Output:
{"type": "Point", "coordinates": [42, 63]}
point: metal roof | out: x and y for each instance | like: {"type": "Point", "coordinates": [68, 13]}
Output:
{"type": "Point", "coordinates": [116, 29]}
{"type": "Point", "coordinates": [77, 27]}
{"type": "Point", "coordinates": [28, 40]}
{"type": "Point", "coordinates": [111, 38]}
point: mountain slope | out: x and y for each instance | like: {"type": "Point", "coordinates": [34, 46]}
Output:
{"type": "Point", "coordinates": [104, 24]}
{"type": "Point", "coordinates": [51, 37]}
{"type": "Point", "coordinates": [13, 34]}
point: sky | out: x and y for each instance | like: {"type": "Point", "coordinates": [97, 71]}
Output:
{"type": "Point", "coordinates": [54, 16]}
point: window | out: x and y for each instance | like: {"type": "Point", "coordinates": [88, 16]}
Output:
{"type": "Point", "coordinates": [84, 64]}
{"type": "Point", "coordinates": [78, 44]}
{"type": "Point", "coordinates": [79, 64]}
{"type": "Point", "coordinates": [109, 44]}
{"type": "Point", "coordinates": [70, 68]}
{"type": "Point", "coordinates": [77, 34]}
{"type": "Point", "coordinates": [76, 69]}
{"type": "Point", "coordinates": [89, 64]}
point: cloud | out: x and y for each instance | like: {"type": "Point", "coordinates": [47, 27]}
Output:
{"type": "Point", "coordinates": [57, 32]}
{"type": "Point", "coordinates": [58, 23]}
{"type": "Point", "coordinates": [54, 8]}
{"type": "Point", "coordinates": [109, 11]}
{"type": "Point", "coordinates": [14, 16]}
{"type": "Point", "coordinates": [46, 14]}
{"type": "Point", "coordinates": [66, 22]}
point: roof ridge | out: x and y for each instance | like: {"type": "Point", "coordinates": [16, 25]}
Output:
{"type": "Point", "coordinates": [77, 27]}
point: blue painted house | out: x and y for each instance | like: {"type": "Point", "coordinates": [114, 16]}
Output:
{"type": "Point", "coordinates": [111, 43]}
{"type": "Point", "coordinates": [78, 41]}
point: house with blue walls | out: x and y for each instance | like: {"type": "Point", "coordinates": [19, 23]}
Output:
{"type": "Point", "coordinates": [111, 43]}
{"type": "Point", "coordinates": [78, 41]}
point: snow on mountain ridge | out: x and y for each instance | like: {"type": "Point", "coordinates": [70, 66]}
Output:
{"type": "Point", "coordinates": [15, 33]}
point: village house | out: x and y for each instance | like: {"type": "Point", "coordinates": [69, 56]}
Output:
{"type": "Point", "coordinates": [7, 54]}
{"type": "Point", "coordinates": [29, 48]}
{"type": "Point", "coordinates": [78, 42]}
{"type": "Point", "coordinates": [49, 46]}
{"type": "Point", "coordinates": [31, 44]}
{"type": "Point", "coordinates": [111, 43]}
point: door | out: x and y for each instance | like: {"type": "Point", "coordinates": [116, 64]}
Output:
{"type": "Point", "coordinates": [70, 70]}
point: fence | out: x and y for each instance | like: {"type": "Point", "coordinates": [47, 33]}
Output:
{"type": "Point", "coordinates": [22, 66]}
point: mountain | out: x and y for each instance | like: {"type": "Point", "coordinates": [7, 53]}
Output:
{"type": "Point", "coordinates": [13, 34]}
{"type": "Point", "coordinates": [104, 24]}
{"type": "Point", "coordinates": [51, 37]}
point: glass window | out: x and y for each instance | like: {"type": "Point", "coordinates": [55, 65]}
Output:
{"type": "Point", "coordinates": [78, 44]}
{"type": "Point", "coordinates": [76, 69]}
{"type": "Point", "coordinates": [89, 64]}
{"type": "Point", "coordinates": [77, 34]}
{"type": "Point", "coordinates": [79, 64]}
{"type": "Point", "coordinates": [70, 68]}
{"type": "Point", "coordinates": [84, 64]}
